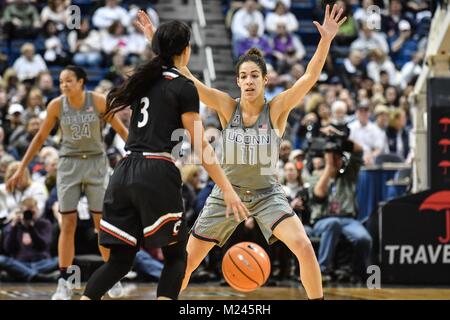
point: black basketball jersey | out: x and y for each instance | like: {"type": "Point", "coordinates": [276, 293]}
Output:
{"type": "Point", "coordinates": [157, 113]}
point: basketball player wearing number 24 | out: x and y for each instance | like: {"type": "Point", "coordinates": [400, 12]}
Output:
{"type": "Point", "coordinates": [268, 204]}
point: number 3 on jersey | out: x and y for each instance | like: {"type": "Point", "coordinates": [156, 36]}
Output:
{"type": "Point", "coordinates": [145, 104]}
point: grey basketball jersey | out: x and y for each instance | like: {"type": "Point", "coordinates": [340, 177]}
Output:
{"type": "Point", "coordinates": [250, 154]}
{"type": "Point", "coordinates": [81, 132]}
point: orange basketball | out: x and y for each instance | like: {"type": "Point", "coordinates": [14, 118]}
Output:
{"type": "Point", "coordinates": [246, 266]}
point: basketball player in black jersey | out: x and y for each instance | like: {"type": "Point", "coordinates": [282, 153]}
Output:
{"type": "Point", "coordinates": [143, 204]}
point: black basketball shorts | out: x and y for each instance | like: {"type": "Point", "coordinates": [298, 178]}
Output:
{"type": "Point", "coordinates": [143, 204]}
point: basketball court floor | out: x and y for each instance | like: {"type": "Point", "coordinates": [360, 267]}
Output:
{"type": "Point", "coordinates": [214, 291]}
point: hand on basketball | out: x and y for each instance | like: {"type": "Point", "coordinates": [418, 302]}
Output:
{"type": "Point", "coordinates": [14, 180]}
{"type": "Point", "coordinates": [144, 24]}
{"type": "Point", "coordinates": [331, 23]}
{"type": "Point", "coordinates": [235, 205]}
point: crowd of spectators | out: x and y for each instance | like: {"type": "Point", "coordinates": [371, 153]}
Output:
{"type": "Point", "coordinates": [364, 88]}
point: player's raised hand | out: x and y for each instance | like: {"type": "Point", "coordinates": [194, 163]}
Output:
{"type": "Point", "coordinates": [331, 22]}
{"type": "Point", "coordinates": [144, 24]}
{"type": "Point", "coordinates": [235, 205]}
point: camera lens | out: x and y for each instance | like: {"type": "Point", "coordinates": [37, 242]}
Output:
{"type": "Point", "coordinates": [27, 215]}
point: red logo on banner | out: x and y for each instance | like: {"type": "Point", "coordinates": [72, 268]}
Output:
{"type": "Point", "coordinates": [439, 201]}
{"type": "Point", "coordinates": [445, 143]}
{"type": "Point", "coordinates": [444, 164]}
{"type": "Point", "coordinates": [445, 122]}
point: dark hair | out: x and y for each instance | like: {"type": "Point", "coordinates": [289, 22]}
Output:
{"type": "Point", "coordinates": [253, 55]}
{"type": "Point", "coordinates": [170, 39]}
{"type": "Point", "coordinates": [79, 72]}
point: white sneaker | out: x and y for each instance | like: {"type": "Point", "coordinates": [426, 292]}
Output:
{"type": "Point", "coordinates": [116, 291]}
{"type": "Point", "coordinates": [63, 291]}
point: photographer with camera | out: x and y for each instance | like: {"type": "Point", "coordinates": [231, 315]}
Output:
{"type": "Point", "coordinates": [333, 202]}
{"type": "Point", "coordinates": [26, 245]}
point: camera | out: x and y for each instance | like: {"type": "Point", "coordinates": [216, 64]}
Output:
{"type": "Point", "coordinates": [28, 215]}
{"type": "Point", "coordinates": [337, 142]}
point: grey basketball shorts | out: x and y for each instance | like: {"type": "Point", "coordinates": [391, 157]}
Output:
{"type": "Point", "coordinates": [268, 207]}
{"type": "Point", "coordinates": [76, 175]}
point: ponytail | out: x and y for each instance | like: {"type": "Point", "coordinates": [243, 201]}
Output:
{"type": "Point", "coordinates": [123, 96]}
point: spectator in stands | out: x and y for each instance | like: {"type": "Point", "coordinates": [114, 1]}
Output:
{"type": "Point", "coordinates": [44, 83]}
{"type": "Point", "coordinates": [285, 152]}
{"type": "Point", "coordinates": [14, 121]}
{"type": "Point", "coordinates": [114, 40]}
{"type": "Point", "coordinates": [346, 96]}
{"type": "Point", "coordinates": [398, 135]}
{"type": "Point", "coordinates": [26, 188]}
{"type": "Point", "coordinates": [294, 74]}
{"type": "Point", "coordinates": [348, 32]}
{"type": "Point", "coordinates": [105, 16]}
{"type": "Point", "coordinates": [253, 40]}
{"type": "Point", "coordinates": [117, 71]}
{"type": "Point", "coordinates": [363, 14]}
{"type": "Point", "coordinates": [273, 87]}
{"type": "Point", "coordinates": [287, 49]}
{"type": "Point", "coordinates": [34, 104]}
{"type": "Point", "coordinates": [390, 21]}
{"type": "Point", "coordinates": [391, 95]}
{"type": "Point", "coordinates": [5, 160]}
{"type": "Point", "coordinates": [270, 5]}
{"type": "Point", "coordinates": [26, 245]}
{"type": "Point", "coordinates": [334, 211]}
{"type": "Point", "coordinates": [339, 113]}
{"type": "Point", "coordinates": [381, 113]}
{"type": "Point", "coordinates": [54, 45]}
{"type": "Point", "coordinates": [368, 40]}
{"type": "Point", "coordinates": [380, 61]}
{"type": "Point", "coordinates": [10, 82]}
{"type": "Point", "coordinates": [281, 15]}
{"type": "Point", "coordinates": [85, 45]}
{"type": "Point", "coordinates": [351, 66]}
{"type": "Point", "coordinates": [295, 191]}
{"type": "Point", "coordinates": [402, 45]}
{"type": "Point", "coordinates": [364, 132]}
{"type": "Point", "coordinates": [29, 64]}
{"type": "Point", "coordinates": [244, 17]}
{"type": "Point", "coordinates": [55, 11]}
{"type": "Point", "coordinates": [21, 20]}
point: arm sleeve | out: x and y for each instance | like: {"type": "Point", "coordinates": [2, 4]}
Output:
{"type": "Point", "coordinates": [188, 98]}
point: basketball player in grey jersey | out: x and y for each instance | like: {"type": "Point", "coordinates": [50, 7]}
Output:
{"type": "Point", "coordinates": [82, 165]}
{"type": "Point", "coordinates": [261, 193]}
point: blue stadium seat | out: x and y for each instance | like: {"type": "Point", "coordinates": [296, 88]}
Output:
{"type": "Point", "coordinates": [4, 47]}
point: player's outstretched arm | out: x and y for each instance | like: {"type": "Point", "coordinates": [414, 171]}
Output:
{"type": "Point", "coordinates": [215, 99]}
{"type": "Point", "coordinates": [209, 161]}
